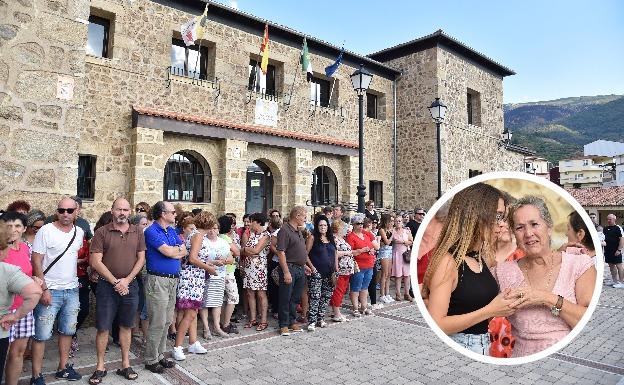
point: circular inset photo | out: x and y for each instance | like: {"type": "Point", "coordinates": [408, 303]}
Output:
{"type": "Point", "coordinates": [509, 268]}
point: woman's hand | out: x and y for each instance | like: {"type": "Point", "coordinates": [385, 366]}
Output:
{"type": "Point", "coordinates": [526, 296]}
{"type": "Point", "coordinates": [501, 305]}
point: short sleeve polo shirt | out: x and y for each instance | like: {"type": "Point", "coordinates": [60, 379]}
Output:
{"type": "Point", "coordinates": [156, 236]}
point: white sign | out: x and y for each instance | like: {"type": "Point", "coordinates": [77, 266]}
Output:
{"type": "Point", "coordinates": [266, 113]}
{"type": "Point", "coordinates": [255, 183]}
{"type": "Point", "coordinates": [65, 88]}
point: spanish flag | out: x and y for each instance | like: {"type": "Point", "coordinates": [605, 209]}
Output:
{"type": "Point", "coordinates": [264, 50]}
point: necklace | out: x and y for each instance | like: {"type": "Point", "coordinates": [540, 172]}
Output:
{"type": "Point", "coordinates": [549, 274]}
{"type": "Point", "coordinates": [476, 255]}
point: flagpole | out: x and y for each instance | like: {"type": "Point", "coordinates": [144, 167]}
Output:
{"type": "Point", "coordinates": [200, 44]}
{"type": "Point", "coordinates": [292, 86]}
{"type": "Point", "coordinates": [331, 91]}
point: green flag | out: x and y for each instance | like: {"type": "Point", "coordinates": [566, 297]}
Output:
{"type": "Point", "coordinates": [306, 64]}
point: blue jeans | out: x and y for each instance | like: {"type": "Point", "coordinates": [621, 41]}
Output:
{"type": "Point", "coordinates": [290, 295]}
{"type": "Point", "coordinates": [478, 343]}
{"type": "Point", "coordinates": [65, 304]}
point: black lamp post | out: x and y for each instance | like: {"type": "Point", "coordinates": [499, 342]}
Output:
{"type": "Point", "coordinates": [438, 110]}
{"type": "Point", "coordinates": [361, 80]}
{"type": "Point", "coordinates": [506, 137]}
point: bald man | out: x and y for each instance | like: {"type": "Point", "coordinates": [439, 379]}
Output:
{"type": "Point", "coordinates": [54, 260]}
{"type": "Point", "coordinates": [614, 237]}
{"type": "Point", "coordinates": [118, 255]}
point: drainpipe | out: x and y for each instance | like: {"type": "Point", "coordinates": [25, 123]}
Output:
{"type": "Point", "coordinates": [394, 138]}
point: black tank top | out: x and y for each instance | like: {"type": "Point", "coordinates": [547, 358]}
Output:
{"type": "Point", "coordinates": [473, 291]}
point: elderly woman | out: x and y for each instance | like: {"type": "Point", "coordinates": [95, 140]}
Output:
{"type": "Point", "coordinates": [553, 289]}
{"type": "Point", "coordinates": [255, 281]}
{"type": "Point", "coordinates": [463, 294]}
{"type": "Point", "coordinates": [401, 242]}
{"type": "Point", "coordinates": [363, 245]}
{"type": "Point", "coordinates": [35, 221]}
{"type": "Point", "coordinates": [346, 267]}
{"type": "Point", "coordinates": [13, 281]}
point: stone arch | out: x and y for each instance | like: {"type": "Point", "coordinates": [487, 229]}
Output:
{"type": "Point", "coordinates": [324, 188]}
{"type": "Point", "coordinates": [187, 177]}
{"type": "Point", "coordinates": [272, 183]}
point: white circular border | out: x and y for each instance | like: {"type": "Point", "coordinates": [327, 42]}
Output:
{"type": "Point", "coordinates": [599, 257]}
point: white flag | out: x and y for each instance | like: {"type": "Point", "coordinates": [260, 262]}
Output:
{"type": "Point", "coordinates": [189, 31]}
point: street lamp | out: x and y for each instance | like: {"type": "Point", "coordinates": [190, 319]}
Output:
{"type": "Point", "coordinates": [361, 79]}
{"type": "Point", "coordinates": [438, 110]}
{"type": "Point", "coordinates": [506, 137]}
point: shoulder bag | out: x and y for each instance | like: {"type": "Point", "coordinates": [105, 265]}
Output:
{"type": "Point", "coordinates": [61, 255]}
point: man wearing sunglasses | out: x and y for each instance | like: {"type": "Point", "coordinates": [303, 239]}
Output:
{"type": "Point", "coordinates": [79, 221]}
{"type": "Point", "coordinates": [414, 223]}
{"type": "Point", "coordinates": [60, 289]}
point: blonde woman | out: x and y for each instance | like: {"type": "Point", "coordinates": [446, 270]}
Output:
{"type": "Point", "coordinates": [401, 242]}
{"type": "Point", "coordinates": [463, 294]}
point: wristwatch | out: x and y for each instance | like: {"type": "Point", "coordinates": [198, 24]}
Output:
{"type": "Point", "coordinates": [555, 310]}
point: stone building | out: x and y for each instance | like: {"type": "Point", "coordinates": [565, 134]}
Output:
{"type": "Point", "coordinates": [102, 98]}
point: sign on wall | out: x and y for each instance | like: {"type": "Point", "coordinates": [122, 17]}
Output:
{"type": "Point", "coordinates": [65, 87]}
{"type": "Point", "coordinates": [266, 113]}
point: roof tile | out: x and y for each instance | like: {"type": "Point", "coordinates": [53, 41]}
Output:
{"type": "Point", "coordinates": [598, 196]}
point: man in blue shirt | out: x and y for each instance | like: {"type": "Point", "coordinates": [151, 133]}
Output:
{"type": "Point", "coordinates": [164, 251]}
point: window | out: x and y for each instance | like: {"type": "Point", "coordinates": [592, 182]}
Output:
{"type": "Point", "coordinates": [264, 83]}
{"type": "Point", "coordinates": [585, 162]}
{"type": "Point", "coordinates": [186, 179]}
{"type": "Point", "coordinates": [375, 192]}
{"type": "Point", "coordinates": [324, 186]}
{"type": "Point", "coordinates": [371, 107]}
{"type": "Point", "coordinates": [472, 173]}
{"type": "Point", "coordinates": [191, 61]}
{"type": "Point", "coordinates": [473, 107]}
{"type": "Point", "coordinates": [319, 92]}
{"type": "Point", "coordinates": [86, 176]}
{"type": "Point", "coordinates": [578, 176]}
{"type": "Point", "coordinates": [98, 36]}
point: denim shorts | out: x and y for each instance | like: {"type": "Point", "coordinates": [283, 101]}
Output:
{"type": "Point", "coordinates": [360, 280]}
{"type": "Point", "coordinates": [478, 343]}
{"type": "Point", "coordinates": [65, 304]}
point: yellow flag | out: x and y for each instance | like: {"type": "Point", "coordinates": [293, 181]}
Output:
{"type": "Point", "coordinates": [264, 50]}
{"type": "Point", "coordinates": [201, 24]}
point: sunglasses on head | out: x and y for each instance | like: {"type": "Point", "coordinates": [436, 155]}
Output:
{"type": "Point", "coordinates": [62, 210]}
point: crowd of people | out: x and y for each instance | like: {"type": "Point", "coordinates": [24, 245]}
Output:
{"type": "Point", "coordinates": [156, 271]}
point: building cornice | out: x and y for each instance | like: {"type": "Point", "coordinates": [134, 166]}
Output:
{"type": "Point", "coordinates": [440, 39]}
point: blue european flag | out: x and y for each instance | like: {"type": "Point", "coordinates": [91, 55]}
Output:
{"type": "Point", "coordinates": [330, 70]}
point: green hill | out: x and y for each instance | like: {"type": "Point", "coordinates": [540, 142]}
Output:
{"type": "Point", "coordinates": [558, 129]}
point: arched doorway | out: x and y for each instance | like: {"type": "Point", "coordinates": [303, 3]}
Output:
{"type": "Point", "coordinates": [187, 178]}
{"type": "Point", "coordinates": [259, 191]}
{"type": "Point", "coordinates": [324, 186]}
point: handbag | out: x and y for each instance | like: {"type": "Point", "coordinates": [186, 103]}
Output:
{"type": "Point", "coordinates": [61, 255]}
{"type": "Point", "coordinates": [407, 255]}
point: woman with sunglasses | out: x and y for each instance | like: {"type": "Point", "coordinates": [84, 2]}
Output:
{"type": "Point", "coordinates": [363, 245]}
{"type": "Point", "coordinates": [401, 242]}
{"type": "Point", "coordinates": [463, 294]}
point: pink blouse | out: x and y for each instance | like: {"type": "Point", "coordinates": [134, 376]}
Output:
{"type": "Point", "coordinates": [534, 327]}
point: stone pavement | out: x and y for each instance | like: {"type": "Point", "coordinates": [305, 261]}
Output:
{"type": "Point", "coordinates": [394, 346]}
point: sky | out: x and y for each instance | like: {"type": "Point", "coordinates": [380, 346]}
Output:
{"type": "Point", "coordinates": [557, 48]}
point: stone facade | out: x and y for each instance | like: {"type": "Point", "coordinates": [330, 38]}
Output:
{"type": "Point", "coordinates": [39, 130]}
{"type": "Point", "coordinates": [45, 133]}
{"type": "Point", "coordinates": [438, 71]}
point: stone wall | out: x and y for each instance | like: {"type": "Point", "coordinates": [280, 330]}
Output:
{"type": "Point", "coordinates": [136, 74]}
{"type": "Point", "coordinates": [438, 72]}
{"type": "Point", "coordinates": [40, 44]}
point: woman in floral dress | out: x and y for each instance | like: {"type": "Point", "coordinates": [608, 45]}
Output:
{"type": "Point", "coordinates": [255, 281]}
{"type": "Point", "coordinates": [346, 267]}
{"type": "Point", "coordinates": [191, 284]}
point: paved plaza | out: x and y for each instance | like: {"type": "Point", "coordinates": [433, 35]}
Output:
{"type": "Point", "coordinates": [394, 346]}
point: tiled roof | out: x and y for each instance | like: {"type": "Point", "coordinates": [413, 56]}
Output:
{"type": "Point", "coordinates": [598, 196]}
{"type": "Point", "coordinates": [244, 127]}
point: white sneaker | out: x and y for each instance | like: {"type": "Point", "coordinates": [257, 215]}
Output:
{"type": "Point", "coordinates": [197, 348]}
{"type": "Point", "coordinates": [376, 306]}
{"type": "Point", "coordinates": [178, 353]}
{"type": "Point", "coordinates": [619, 285]}
{"type": "Point", "coordinates": [384, 299]}
{"type": "Point", "coordinates": [311, 327]}
{"type": "Point", "coordinates": [390, 299]}
{"type": "Point", "coordinates": [321, 324]}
